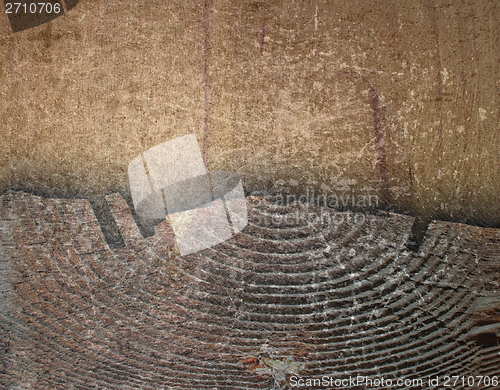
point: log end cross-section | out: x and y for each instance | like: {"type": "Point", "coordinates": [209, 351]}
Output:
{"type": "Point", "coordinates": [301, 291]}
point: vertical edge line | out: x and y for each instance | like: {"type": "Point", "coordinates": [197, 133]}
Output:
{"type": "Point", "coordinates": [148, 175]}
{"type": "Point", "coordinates": [228, 215]}
{"type": "Point", "coordinates": [380, 145]}
{"type": "Point", "coordinates": [150, 181]}
{"type": "Point", "coordinates": [64, 7]}
{"type": "Point", "coordinates": [439, 95]}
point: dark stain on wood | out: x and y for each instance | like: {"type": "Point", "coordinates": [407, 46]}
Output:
{"type": "Point", "coordinates": [439, 90]}
{"type": "Point", "coordinates": [417, 234]}
{"type": "Point", "coordinates": [107, 223]}
{"type": "Point", "coordinates": [262, 37]}
{"type": "Point", "coordinates": [380, 142]}
{"type": "Point", "coordinates": [487, 319]}
{"type": "Point", "coordinates": [206, 68]}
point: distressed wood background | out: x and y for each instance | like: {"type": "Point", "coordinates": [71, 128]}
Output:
{"type": "Point", "coordinates": [289, 296]}
{"type": "Point", "coordinates": [397, 99]}
{"type": "Point", "coordinates": [257, 81]}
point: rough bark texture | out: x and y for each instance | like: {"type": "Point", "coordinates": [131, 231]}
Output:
{"type": "Point", "coordinates": [338, 296]}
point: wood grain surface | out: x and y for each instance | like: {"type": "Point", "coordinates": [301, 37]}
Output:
{"type": "Point", "coordinates": [290, 295]}
{"type": "Point", "coordinates": [396, 100]}
{"type": "Point", "coordinates": [257, 81]}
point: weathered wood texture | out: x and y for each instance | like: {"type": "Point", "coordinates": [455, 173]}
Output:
{"type": "Point", "coordinates": [286, 295]}
{"type": "Point", "coordinates": [258, 82]}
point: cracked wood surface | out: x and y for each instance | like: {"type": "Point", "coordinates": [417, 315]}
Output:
{"type": "Point", "coordinates": [336, 297]}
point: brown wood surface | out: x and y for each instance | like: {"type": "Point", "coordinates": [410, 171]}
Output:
{"type": "Point", "coordinates": [340, 298]}
{"type": "Point", "coordinates": [272, 91]}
